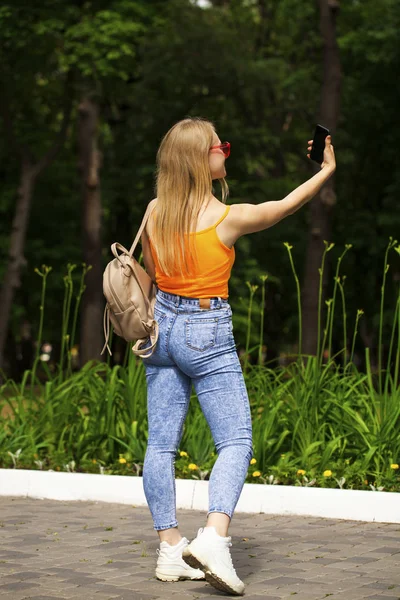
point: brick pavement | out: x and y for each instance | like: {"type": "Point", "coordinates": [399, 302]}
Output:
{"type": "Point", "coordinates": [53, 550]}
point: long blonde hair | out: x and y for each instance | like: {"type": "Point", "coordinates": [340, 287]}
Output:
{"type": "Point", "coordinates": [183, 183]}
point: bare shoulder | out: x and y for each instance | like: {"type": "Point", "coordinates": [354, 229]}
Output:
{"type": "Point", "coordinates": [147, 229]}
{"type": "Point", "coordinates": [236, 218]}
{"type": "Point", "coordinates": [153, 203]}
{"type": "Point", "coordinates": [249, 218]}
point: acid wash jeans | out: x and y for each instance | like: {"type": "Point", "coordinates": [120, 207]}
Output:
{"type": "Point", "coordinates": [195, 345]}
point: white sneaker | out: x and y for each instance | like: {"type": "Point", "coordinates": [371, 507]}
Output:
{"type": "Point", "coordinates": [210, 552]}
{"type": "Point", "coordinates": [171, 566]}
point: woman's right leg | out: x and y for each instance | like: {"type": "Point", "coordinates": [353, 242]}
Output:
{"type": "Point", "coordinates": [222, 394]}
{"type": "Point", "coordinates": [204, 347]}
{"type": "Point", "coordinates": [220, 521]}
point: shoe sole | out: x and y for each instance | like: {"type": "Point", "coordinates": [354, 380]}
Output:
{"type": "Point", "coordinates": [211, 577]}
{"type": "Point", "coordinates": [172, 578]}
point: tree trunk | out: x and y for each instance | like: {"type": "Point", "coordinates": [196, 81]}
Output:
{"type": "Point", "coordinates": [322, 205]}
{"type": "Point", "coordinates": [30, 170]}
{"type": "Point", "coordinates": [16, 258]}
{"type": "Point", "coordinates": [93, 299]}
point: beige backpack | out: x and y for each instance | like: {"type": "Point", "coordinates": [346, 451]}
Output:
{"type": "Point", "coordinates": [131, 294]}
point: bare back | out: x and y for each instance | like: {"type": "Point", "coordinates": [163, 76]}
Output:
{"type": "Point", "coordinates": [226, 230]}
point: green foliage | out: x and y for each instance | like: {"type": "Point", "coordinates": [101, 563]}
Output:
{"type": "Point", "coordinates": [99, 414]}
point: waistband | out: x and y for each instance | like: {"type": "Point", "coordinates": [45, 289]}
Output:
{"type": "Point", "coordinates": [214, 302]}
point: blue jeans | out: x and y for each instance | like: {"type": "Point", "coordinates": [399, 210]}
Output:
{"type": "Point", "coordinates": [195, 345]}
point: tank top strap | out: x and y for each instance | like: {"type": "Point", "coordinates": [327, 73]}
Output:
{"type": "Point", "coordinates": [223, 217]}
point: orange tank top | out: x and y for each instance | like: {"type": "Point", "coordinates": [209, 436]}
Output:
{"type": "Point", "coordinates": [211, 277]}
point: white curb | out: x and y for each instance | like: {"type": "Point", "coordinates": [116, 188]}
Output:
{"type": "Point", "coordinates": [357, 505]}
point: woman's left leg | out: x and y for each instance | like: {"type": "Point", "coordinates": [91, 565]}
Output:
{"type": "Point", "coordinates": [168, 396]}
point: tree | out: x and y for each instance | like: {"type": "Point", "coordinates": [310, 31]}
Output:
{"type": "Point", "coordinates": [322, 205]}
{"type": "Point", "coordinates": [19, 35]}
{"type": "Point", "coordinates": [89, 164]}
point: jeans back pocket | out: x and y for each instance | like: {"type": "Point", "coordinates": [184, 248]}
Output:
{"type": "Point", "coordinates": [201, 333]}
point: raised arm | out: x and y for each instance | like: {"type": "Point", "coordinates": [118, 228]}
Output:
{"type": "Point", "coordinates": [249, 218]}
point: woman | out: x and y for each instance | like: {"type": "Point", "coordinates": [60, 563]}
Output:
{"type": "Point", "coordinates": [188, 249]}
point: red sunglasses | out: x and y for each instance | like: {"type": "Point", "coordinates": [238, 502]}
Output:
{"type": "Point", "coordinates": [225, 147]}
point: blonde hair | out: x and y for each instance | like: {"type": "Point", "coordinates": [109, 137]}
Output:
{"type": "Point", "coordinates": [183, 183]}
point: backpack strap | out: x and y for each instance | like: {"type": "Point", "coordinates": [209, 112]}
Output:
{"type": "Point", "coordinates": [142, 226]}
{"type": "Point", "coordinates": [146, 352]}
{"type": "Point", "coordinates": [106, 328]}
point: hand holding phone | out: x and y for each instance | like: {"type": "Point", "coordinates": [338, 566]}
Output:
{"type": "Point", "coordinates": [320, 148]}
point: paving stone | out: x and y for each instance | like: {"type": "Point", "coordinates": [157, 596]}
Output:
{"type": "Point", "coordinates": [388, 550]}
{"type": "Point", "coordinates": [279, 581]}
{"type": "Point", "coordinates": [258, 597]}
{"type": "Point", "coordinates": [307, 596]}
{"type": "Point", "coordinates": [361, 559]}
{"type": "Point", "coordinates": [14, 596]}
{"type": "Point", "coordinates": [381, 585]}
{"type": "Point", "coordinates": [21, 576]}
{"type": "Point", "coordinates": [41, 597]}
{"type": "Point", "coordinates": [284, 570]}
{"type": "Point", "coordinates": [16, 585]}
{"type": "Point", "coordinates": [383, 597]}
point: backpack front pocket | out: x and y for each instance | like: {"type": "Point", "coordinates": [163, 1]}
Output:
{"type": "Point", "coordinates": [200, 334]}
{"type": "Point", "coordinates": [128, 324]}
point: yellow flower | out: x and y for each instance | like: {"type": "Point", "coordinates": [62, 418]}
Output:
{"type": "Point", "coordinates": [366, 481]}
{"type": "Point", "coordinates": [122, 460]}
{"type": "Point", "coordinates": [253, 461]}
{"type": "Point", "coordinates": [394, 466]}
{"type": "Point", "coordinates": [192, 467]}
{"type": "Point", "coordinates": [327, 473]}
{"type": "Point", "coordinates": [301, 472]}
{"type": "Point", "coordinates": [94, 461]}
{"type": "Point", "coordinates": [183, 453]}
{"type": "Point", "coordinates": [35, 456]}
{"type": "Point", "coordinates": [256, 474]}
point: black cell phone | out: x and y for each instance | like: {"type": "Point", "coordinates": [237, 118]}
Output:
{"type": "Point", "coordinates": [317, 150]}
